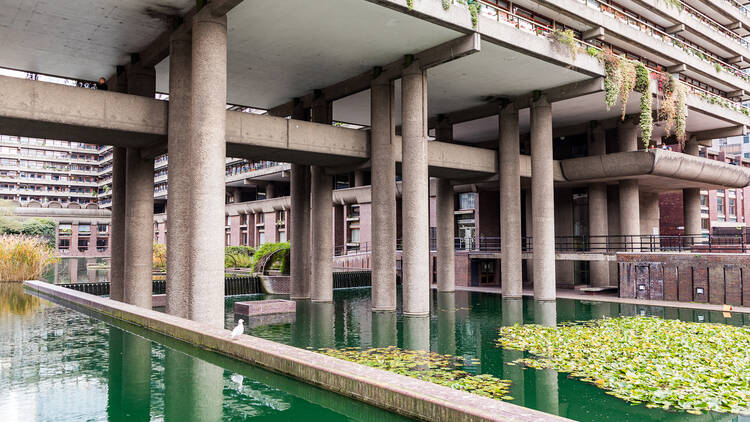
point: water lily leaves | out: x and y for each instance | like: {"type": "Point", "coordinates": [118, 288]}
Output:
{"type": "Point", "coordinates": [667, 364]}
{"type": "Point", "coordinates": [439, 369]}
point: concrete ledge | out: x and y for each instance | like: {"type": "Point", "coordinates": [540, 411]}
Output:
{"type": "Point", "coordinates": [400, 394]}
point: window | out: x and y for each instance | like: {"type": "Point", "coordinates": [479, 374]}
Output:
{"type": "Point", "coordinates": [354, 235]}
{"type": "Point", "coordinates": [746, 139]}
{"type": "Point", "coordinates": [63, 244]}
{"type": "Point", "coordinates": [64, 229]}
{"type": "Point", "coordinates": [466, 201]}
{"type": "Point", "coordinates": [84, 229]}
{"type": "Point", "coordinates": [704, 200]}
{"type": "Point", "coordinates": [83, 245]}
{"type": "Point", "coordinates": [732, 206]}
{"type": "Point", "coordinates": [102, 228]}
{"type": "Point", "coordinates": [720, 205]}
{"type": "Point", "coordinates": [704, 224]}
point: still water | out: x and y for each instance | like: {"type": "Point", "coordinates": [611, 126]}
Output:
{"type": "Point", "coordinates": [77, 270]}
{"type": "Point", "coordinates": [57, 364]}
{"type": "Point", "coordinates": [466, 324]}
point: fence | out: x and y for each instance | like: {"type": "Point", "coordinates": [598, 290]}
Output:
{"type": "Point", "coordinates": [232, 286]}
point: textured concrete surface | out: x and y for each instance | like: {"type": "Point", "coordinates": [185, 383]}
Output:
{"type": "Point", "coordinates": [264, 307]}
{"type": "Point", "coordinates": [207, 155]}
{"type": "Point", "coordinates": [178, 206]}
{"type": "Point", "coordinates": [383, 216]}
{"type": "Point", "coordinates": [446, 245]}
{"type": "Point", "coordinates": [299, 256]}
{"type": "Point", "coordinates": [400, 394]}
{"type": "Point", "coordinates": [117, 229]}
{"type": "Point", "coordinates": [139, 229]}
{"type": "Point", "coordinates": [321, 249]}
{"type": "Point", "coordinates": [415, 203]}
{"type": "Point", "coordinates": [542, 208]}
{"type": "Point", "coordinates": [510, 202]}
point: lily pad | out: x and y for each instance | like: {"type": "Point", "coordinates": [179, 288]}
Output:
{"type": "Point", "coordinates": [662, 363]}
{"type": "Point", "coordinates": [439, 369]}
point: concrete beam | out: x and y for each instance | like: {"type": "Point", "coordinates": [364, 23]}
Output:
{"type": "Point", "coordinates": [593, 34]}
{"type": "Point", "coordinates": [678, 68]}
{"type": "Point", "coordinates": [727, 132]}
{"type": "Point", "coordinates": [675, 29]}
{"type": "Point", "coordinates": [448, 51]}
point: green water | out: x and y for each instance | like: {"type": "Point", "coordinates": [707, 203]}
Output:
{"type": "Point", "coordinates": [466, 324]}
{"type": "Point", "coordinates": [57, 364]}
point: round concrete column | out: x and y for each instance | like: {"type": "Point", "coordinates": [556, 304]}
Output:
{"type": "Point", "coordinates": [270, 191]}
{"type": "Point", "coordinates": [117, 229]}
{"type": "Point", "coordinates": [299, 258]}
{"type": "Point", "coordinates": [691, 199]}
{"type": "Point", "coordinates": [207, 152]}
{"type": "Point", "coordinates": [542, 203]}
{"type": "Point", "coordinates": [510, 202]}
{"type": "Point", "coordinates": [630, 218]}
{"type": "Point", "coordinates": [446, 254]}
{"type": "Point", "coordinates": [139, 229]}
{"type": "Point", "coordinates": [321, 216]}
{"type": "Point", "coordinates": [598, 216]}
{"type": "Point", "coordinates": [383, 214]}
{"type": "Point", "coordinates": [415, 197]}
{"type": "Point", "coordinates": [359, 178]}
{"type": "Point", "coordinates": [178, 193]}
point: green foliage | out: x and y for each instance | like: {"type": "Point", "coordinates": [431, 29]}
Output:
{"type": "Point", "coordinates": [627, 83]}
{"type": "Point", "coordinates": [24, 257]}
{"type": "Point", "coordinates": [266, 249]}
{"type": "Point", "coordinates": [668, 364]}
{"type": "Point", "coordinates": [239, 250]}
{"type": "Point", "coordinates": [612, 78]}
{"type": "Point", "coordinates": [446, 4]}
{"type": "Point", "coordinates": [643, 86]}
{"type": "Point", "coordinates": [566, 39]}
{"type": "Point", "coordinates": [674, 106]}
{"type": "Point", "coordinates": [159, 256]}
{"type": "Point", "coordinates": [410, 4]}
{"type": "Point", "coordinates": [474, 11]}
{"type": "Point", "coordinates": [439, 369]}
{"type": "Point", "coordinates": [717, 66]}
{"type": "Point", "coordinates": [237, 260]}
{"type": "Point", "coordinates": [592, 51]}
{"type": "Point", "coordinates": [43, 228]}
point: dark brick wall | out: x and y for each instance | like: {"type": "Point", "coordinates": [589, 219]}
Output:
{"type": "Point", "coordinates": [670, 213]}
{"type": "Point", "coordinates": [707, 278]}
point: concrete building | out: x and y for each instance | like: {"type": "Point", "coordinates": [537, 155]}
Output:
{"type": "Point", "coordinates": [519, 104]}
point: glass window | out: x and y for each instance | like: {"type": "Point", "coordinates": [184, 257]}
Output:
{"type": "Point", "coordinates": [354, 236]}
{"type": "Point", "coordinates": [704, 224]}
{"type": "Point", "coordinates": [704, 200]}
{"type": "Point", "coordinates": [84, 229]}
{"type": "Point", "coordinates": [466, 201]}
{"type": "Point", "coordinates": [720, 205]}
{"type": "Point", "coordinates": [63, 244]}
{"type": "Point", "coordinates": [732, 207]}
{"type": "Point", "coordinates": [65, 229]}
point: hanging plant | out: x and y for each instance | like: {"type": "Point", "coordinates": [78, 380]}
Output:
{"type": "Point", "coordinates": [474, 10]}
{"type": "Point", "coordinates": [566, 39]}
{"type": "Point", "coordinates": [674, 107]}
{"type": "Point", "coordinates": [627, 83]}
{"type": "Point", "coordinates": [410, 4]}
{"type": "Point", "coordinates": [446, 4]}
{"type": "Point", "coordinates": [592, 51]}
{"type": "Point", "coordinates": [643, 87]}
{"type": "Point", "coordinates": [612, 79]}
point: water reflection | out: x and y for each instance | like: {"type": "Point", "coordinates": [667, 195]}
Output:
{"type": "Point", "coordinates": [194, 388]}
{"type": "Point", "coordinates": [322, 321]}
{"type": "Point", "coordinates": [512, 314]}
{"type": "Point", "coordinates": [446, 322]}
{"type": "Point", "coordinates": [77, 270]}
{"type": "Point", "coordinates": [384, 332]}
{"type": "Point", "coordinates": [13, 300]}
{"type": "Point", "coordinates": [547, 397]}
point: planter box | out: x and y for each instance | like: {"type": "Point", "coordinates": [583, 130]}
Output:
{"type": "Point", "coordinates": [265, 307]}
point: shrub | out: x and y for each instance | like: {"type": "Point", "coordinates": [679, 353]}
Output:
{"type": "Point", "coordinates": [237, 260]}
{"type": "Point", "coordinates": [160, 256]}
{"type": "Point", "coordinates": [24, 257]}
{"type": "Point", "coordinates": [239, 250]}
{"type": "Point", "coordinates": [266, 249]}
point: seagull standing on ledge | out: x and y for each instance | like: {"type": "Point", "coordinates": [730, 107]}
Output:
{"type": "Point", "coordinates": [239, 329]}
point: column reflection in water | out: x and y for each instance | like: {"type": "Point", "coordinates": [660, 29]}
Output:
{"type": "Point", "coordinates": [73, 270]}
{"type": "Point", "coordinates": [302, 321]}
{"type": "Point", "coordinates": [547, 399]}
{"type": "Point", "coordinates": [194, 389]}
{"type": "Point", "coordinates": [446, 322]}
{"type": "Point", "coordinates": [129, 391]}
{"type": "Point", "coordinates": [384, 331]}
{"type": "Point", "coordinates": [416, 332]}
{"type": "Point", "coordinates": [322, 320]}
{"type": "Point", "coordinates": [512, 314]}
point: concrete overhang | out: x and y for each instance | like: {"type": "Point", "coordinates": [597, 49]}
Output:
{"type": "Point", "coordinates": [656, 170]}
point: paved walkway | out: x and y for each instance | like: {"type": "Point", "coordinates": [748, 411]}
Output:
{"type": "Point", "coordinates": [612, 297]}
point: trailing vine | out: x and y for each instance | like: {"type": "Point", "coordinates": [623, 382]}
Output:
{"type": "Point", "coordinates": [474, 10]}
{"type": "Point", "coordinates": [627, 83]}
{"type": "Point", "coordinates": [410, 4]}
{"type": "Point", "coordinates": [612, 79]}
{"type": "Point", "coordinates": [643, 87]}
{"type": "Point", "coordinates": [567, 39]}
{"type": "Point", "coordinates": [674, 106]}
{"type": "Point", "coordinates": [446, 4]}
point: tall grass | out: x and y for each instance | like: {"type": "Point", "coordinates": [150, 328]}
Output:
{"type": "Point", "coordinates": [24, 257]}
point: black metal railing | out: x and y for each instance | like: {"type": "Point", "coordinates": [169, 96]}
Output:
{"type": "Point", "coordinates": [233, 285]}
{"type": "Point", "coordinates": [348, 279]}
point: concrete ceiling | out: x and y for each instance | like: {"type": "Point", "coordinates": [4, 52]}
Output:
{"type": "Point", "coordinates": [81, 39]}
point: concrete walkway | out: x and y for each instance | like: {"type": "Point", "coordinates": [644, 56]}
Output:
{"type": "Point", "coordinates": [611, 297]}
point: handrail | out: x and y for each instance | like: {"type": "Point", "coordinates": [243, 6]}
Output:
{"type": "Point", "coordinates": [539, 29]}
{"type": "Point", "coordinates": [709, 57]}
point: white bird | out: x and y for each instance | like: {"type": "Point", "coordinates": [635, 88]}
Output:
{"type": "Point", "coordinates": [239, 329]}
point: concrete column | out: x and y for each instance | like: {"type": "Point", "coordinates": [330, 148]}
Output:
{"type": "Point", "coordinates": [415, 197]}
{"type": "Point", "coordinates": [384, 331]}
{"type": "Point", "coordinates": [270, 191]}
{"type": "Point", "coordinates": [510, 202]}
{"type": "Point", "coordinates": [207, 152]}
{"type": "Point", "coordinates": [630, 220]}
{"type": "Point", "coordinates": [512, 313]}
{"type": "Point", "coordinates": [383, 214]}
{"type": "Point", "coordinates": [178, 178]}
{"type": "Point", "coordinates": [416, 332]}
{"type": "Point", "coordinates": [446, 323]}
{"type": "Point", "coordinates": [542, 205]}
{"type": "Point", "coordinates": [359, 178]}
{"type": "Point", "coordinates": [691, 199]}
{"type": "Point", "coordinates": [321, 216]}
{"type": "Point", "coordinates": [598, 224]}
{"type": "Point", "coordinates": [446, 254]}
{"type": "Point", "coordinates": [139, 229]}
{"type": "Point", "coordinates": [299, 257]}
{"type": "Point", "coordinates": [237, 195]}
{"type": "Point", "coordinates": [564, 269]}
{"type": "Point", "coordinates": [117, 226]}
